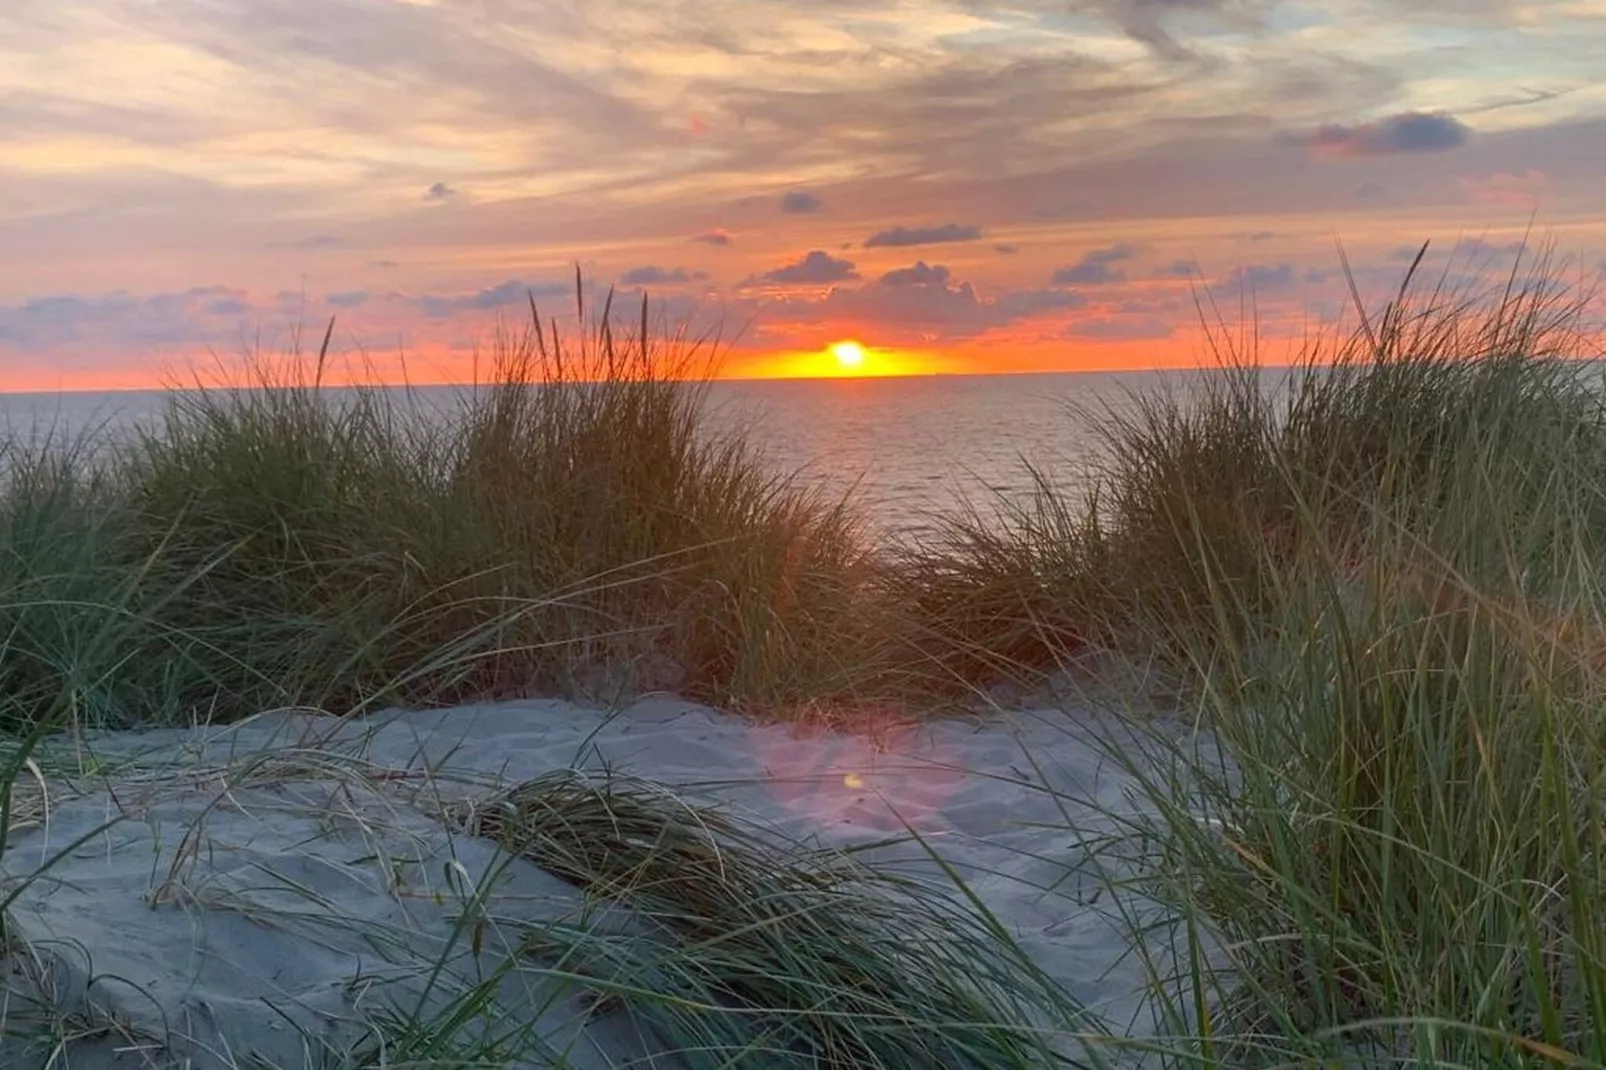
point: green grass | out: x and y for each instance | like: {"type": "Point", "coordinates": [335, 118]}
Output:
{"type": "Point", "coordinates": [758, 951]}
{"type": "Point", "coordinates": [1382, 589]}
{"type": "Point", "coordinates": [571, 526]}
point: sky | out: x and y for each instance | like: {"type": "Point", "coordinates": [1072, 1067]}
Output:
{"type": "Point", "coordinates": [957, 185]}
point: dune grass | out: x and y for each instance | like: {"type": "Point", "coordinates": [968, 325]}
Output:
{"type": "Point", "coordinates": [573, 525]}
{"type": "Point", "coordinates": [760, 952]}
{"type": "Point", "coordinates": [1382, 582]}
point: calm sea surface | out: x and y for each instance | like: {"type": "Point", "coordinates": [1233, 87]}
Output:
{"type": "Point", "coordinates": [909, 445]}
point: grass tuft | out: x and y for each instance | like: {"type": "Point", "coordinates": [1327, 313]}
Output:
{"type": "Point", "coordinates": [772, 953]}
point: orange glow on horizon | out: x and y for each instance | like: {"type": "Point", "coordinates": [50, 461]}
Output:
{"type": "Point", "coordinates": [438, 365]}
{"type": "Point", "coordinates": [845, 359]}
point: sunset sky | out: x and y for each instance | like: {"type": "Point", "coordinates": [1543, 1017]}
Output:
{"type": "Point", "coordinates": [958, 185]}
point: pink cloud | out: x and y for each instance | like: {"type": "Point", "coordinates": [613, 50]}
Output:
{"type": "Point", "coordinates": [1502, 187]}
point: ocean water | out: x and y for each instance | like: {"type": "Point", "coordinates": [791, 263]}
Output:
{"type": "Point", "coordinates": [906, 446]}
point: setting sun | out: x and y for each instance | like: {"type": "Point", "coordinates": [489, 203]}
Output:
{"type": "Point", "coordinates": [848, 354]}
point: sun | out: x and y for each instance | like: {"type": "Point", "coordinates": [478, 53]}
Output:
{"type": "Point", "coordinates": [848, 354]}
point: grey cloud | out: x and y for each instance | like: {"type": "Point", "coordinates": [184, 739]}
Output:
{"type": "Point", "coordinates": [315, 241]}
{"type": "Point", "coordinates": [1367, 191]}
{"type": "Point", "coordinates": [511, 292]}
{"type": "Point", "coordinates": [1120, 329]}
{"type": "Point", "coordinates": [798, 202]}
{"type": "Point", "coordinates": [1179, 269]}
{"type": "Point", "coordinates": [816, 268]}
{"type": "Point", "coordinates": [923, 299]}
{"type": "Point", "coordinates": [121, 319]}
{"type": "Point", "coordinates": [713, 237]}
{"type": "Point", "coordinates": [1407, 132]}
{"type": "Point", "coordinates": [440, 191]}
{"type": "Point", "coordinates": [347, 298]}
{"type": "Point", "coordinates": [934, 235]}
{"type": "Point", "coordinates": [652, 275]}
{"type": "Point", "coordinates": [1006, 249]}
{"type": "Point", "coordinates": [1148, 21]}
{"type": "Point", "coordinates": [1263, 276]}
{"type": "Point", "coordinates": [225, 306]}
{"type": "Point", "coordinates": [383, 264]}
{"type": "Point", "coordinates": [1472, 248]}
{"type": "Point", "coordinates": [1096, 267]}
{"type": "Point", "coordinates": [919, 274]}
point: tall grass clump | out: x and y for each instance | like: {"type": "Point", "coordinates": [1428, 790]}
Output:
{"type": "Point", "coordinates": [571, 525]}
{"type": "Point", "coordinates": [757, 951]}
{"type": "Point", "coordinates": [1393, 845]}
{"type": "Point", "coordinates": [1204, 491]}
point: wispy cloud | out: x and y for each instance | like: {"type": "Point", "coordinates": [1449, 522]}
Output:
{"type": "Point", "coordinates": [312, 242]}
{"type": "Point", "coordinates": [936, 235]}
{"type": "Point", "coordinates": [1037, 143]}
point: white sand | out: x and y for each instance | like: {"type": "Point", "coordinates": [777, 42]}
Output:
{"type": "Point", "coordinates": [297, 879]}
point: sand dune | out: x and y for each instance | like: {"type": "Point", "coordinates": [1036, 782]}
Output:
{"type": "Point", "coordinates": [268, 888]}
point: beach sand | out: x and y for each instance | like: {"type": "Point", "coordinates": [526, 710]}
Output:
{"type": "Point", "coordinates": [268, 888]}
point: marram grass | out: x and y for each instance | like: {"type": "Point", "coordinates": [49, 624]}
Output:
{"type": "Point", "coordinates": [1384, 844]}
{"type": "Point", "coordinates": [759, 952]}
{"type": "Point", "coordinates": [572, 526]}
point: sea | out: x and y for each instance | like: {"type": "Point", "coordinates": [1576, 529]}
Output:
{"type": "Point", "coordinates": [906, 448]}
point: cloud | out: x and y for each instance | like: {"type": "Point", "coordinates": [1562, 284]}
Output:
{"type": "Point", "coordinates": [1120, 329]}
{"type": "Point", "coordinates": [1179, 269]}
{"type": "Point", "coordinates": [440, 191]}
{"type": "Point", "coordinates": [316, 241]}
{"type": "Point", "coordinates": [121, 319]}
{"type": "Point", "coordinates": [1408, 132]}
{"type": "Point", "coordinates": [1095, 267]}
{"type": "Point", "coordinates": [1006, 249]}
{"type": "Point", "coordinates": [1367, 191]}
{"type": "Point", "coordinates": [713, 237]}
{"type": "Point", "coordinates": [347, 298]}
{"type": "Point", "coordinates": [918, 274]}
{"type": "Point", "coordinates": [1475, 247]}
{"type": "Point", "coordinates": [1518, 190]}
{"type": "Point", "coordinates": [1145, 21]}
{"type": "Point", "coordinates": [923, 301]}
{"type": "Point", "coordinates": [652, 275]}
{"type": "Point", "coordinates": [935, 235]}
{"type": "Point", "coordinates": [1264, 276]}
{"type": "Point", "coordinates": [511, 292]}
{"type": "Point", "coordinates": [797, 202]}
{"type": "Point", "coordinates": [817, 268]}
{"type": "Point", "coordinates": [383, 264]}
